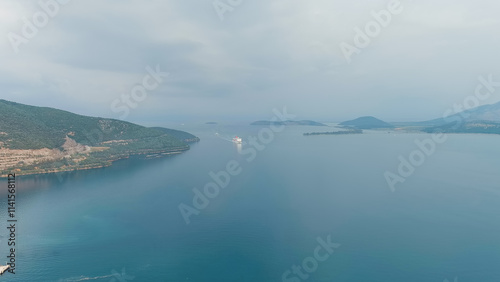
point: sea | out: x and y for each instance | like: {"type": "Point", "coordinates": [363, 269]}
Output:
{"type": "Point", "coordinates": [293, 208]}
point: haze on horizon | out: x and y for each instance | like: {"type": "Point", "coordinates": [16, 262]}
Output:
{"type": "Point", "coordinates": [263, 55]}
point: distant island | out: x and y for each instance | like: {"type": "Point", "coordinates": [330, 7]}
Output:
{"type": "Point", "coordinates": [480, 120]}
{"type": "Point", "coordinates": [36, 140]}
{"type": "Point", "coordinates": [211, 122]}
{"type": "Point", "coordinates": [367, 122]}
{"type": "Point", "coordinates": [343, 132]}
{"type": "Point", "coordinates": [288, 123]}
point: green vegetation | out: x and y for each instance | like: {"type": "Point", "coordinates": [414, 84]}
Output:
{"type": "Point", "coordinates": [181, 135]}
{"type": "Point", "coordinates": [29, 127]}
{"type": "Point", "coordinates": [24, 127]}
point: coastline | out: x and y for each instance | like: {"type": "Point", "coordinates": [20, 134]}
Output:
{"type": "Point", "coordinates": [157, 154]}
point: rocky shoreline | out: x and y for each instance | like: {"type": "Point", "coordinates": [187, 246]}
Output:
{"type": "Point", "coordinates": [108, 163]}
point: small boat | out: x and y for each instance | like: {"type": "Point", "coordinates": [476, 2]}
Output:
{"type": "Point", "coordinates": [237, 140]}
{"type": "Point", "coordinates": [4, 268]}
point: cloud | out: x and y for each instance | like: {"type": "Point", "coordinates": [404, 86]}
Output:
{"type": "Point", "coordinates": [264, 54]}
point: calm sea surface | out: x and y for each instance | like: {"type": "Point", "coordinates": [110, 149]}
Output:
{"type": "Point", "coordinates": [123, 223]}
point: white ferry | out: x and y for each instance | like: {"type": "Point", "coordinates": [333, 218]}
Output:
{"type": "Point", "coordinates": [4, 268]}
{"type": "Point", "coordinates": [237, 140]}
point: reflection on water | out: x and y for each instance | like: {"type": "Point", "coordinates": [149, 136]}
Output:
{"type": "Point", "coordinates": [238, 147]}
{"type": "Point", "coordinates": [118, 169]}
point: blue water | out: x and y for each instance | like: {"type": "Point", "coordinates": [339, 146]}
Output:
{"type": "Point", "coordinates": [442, 223]}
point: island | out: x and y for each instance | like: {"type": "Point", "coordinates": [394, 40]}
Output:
{"type": "Point", "coordinates": [343, 132]}
{"type": "Point", "coordinates": [288, 123]}
{"type": "Point", "coordinates": [367, 122]}
{"type": "Point", "coordinates": [35, 140]}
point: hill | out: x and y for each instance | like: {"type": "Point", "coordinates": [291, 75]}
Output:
{"type": "Point", "coordinates": [485, 113]}
{"type": "Point", "coordinates": [39, 139]}
{"type": "Point", "coordinates": [367, 122]}
{"type": "Point", "coordinates": [484, 119]}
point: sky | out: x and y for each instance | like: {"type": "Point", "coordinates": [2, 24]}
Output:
{"type": "Point", "coordinates": [240, 59]}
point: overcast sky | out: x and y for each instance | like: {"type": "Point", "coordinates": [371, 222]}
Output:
{"type": "Point", "coordinates": [262, 55]}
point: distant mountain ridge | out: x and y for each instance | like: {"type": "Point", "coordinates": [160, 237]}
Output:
{"type": "Point", "coordinates": [486, 113]}
{"type": "Point", "coordinates": [40, 139]}
{"type": "Point", "coordinates": [483, 119]}
{"type": "Point", "coordinates": [490, 112]}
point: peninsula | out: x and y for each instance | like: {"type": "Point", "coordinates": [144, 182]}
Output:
{"type": "Point", "coordinates": [35, 140]}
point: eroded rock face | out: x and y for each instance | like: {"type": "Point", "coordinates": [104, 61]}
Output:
{"type": "Point", "coordinates": [10, 158]}
{"type": "Point", "coordinates": [71, 147]}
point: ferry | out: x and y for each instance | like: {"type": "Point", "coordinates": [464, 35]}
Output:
{"type": "Point", "coordinates": [4, 268]}
{"type": "Point", "coordinates": [237, 140]}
